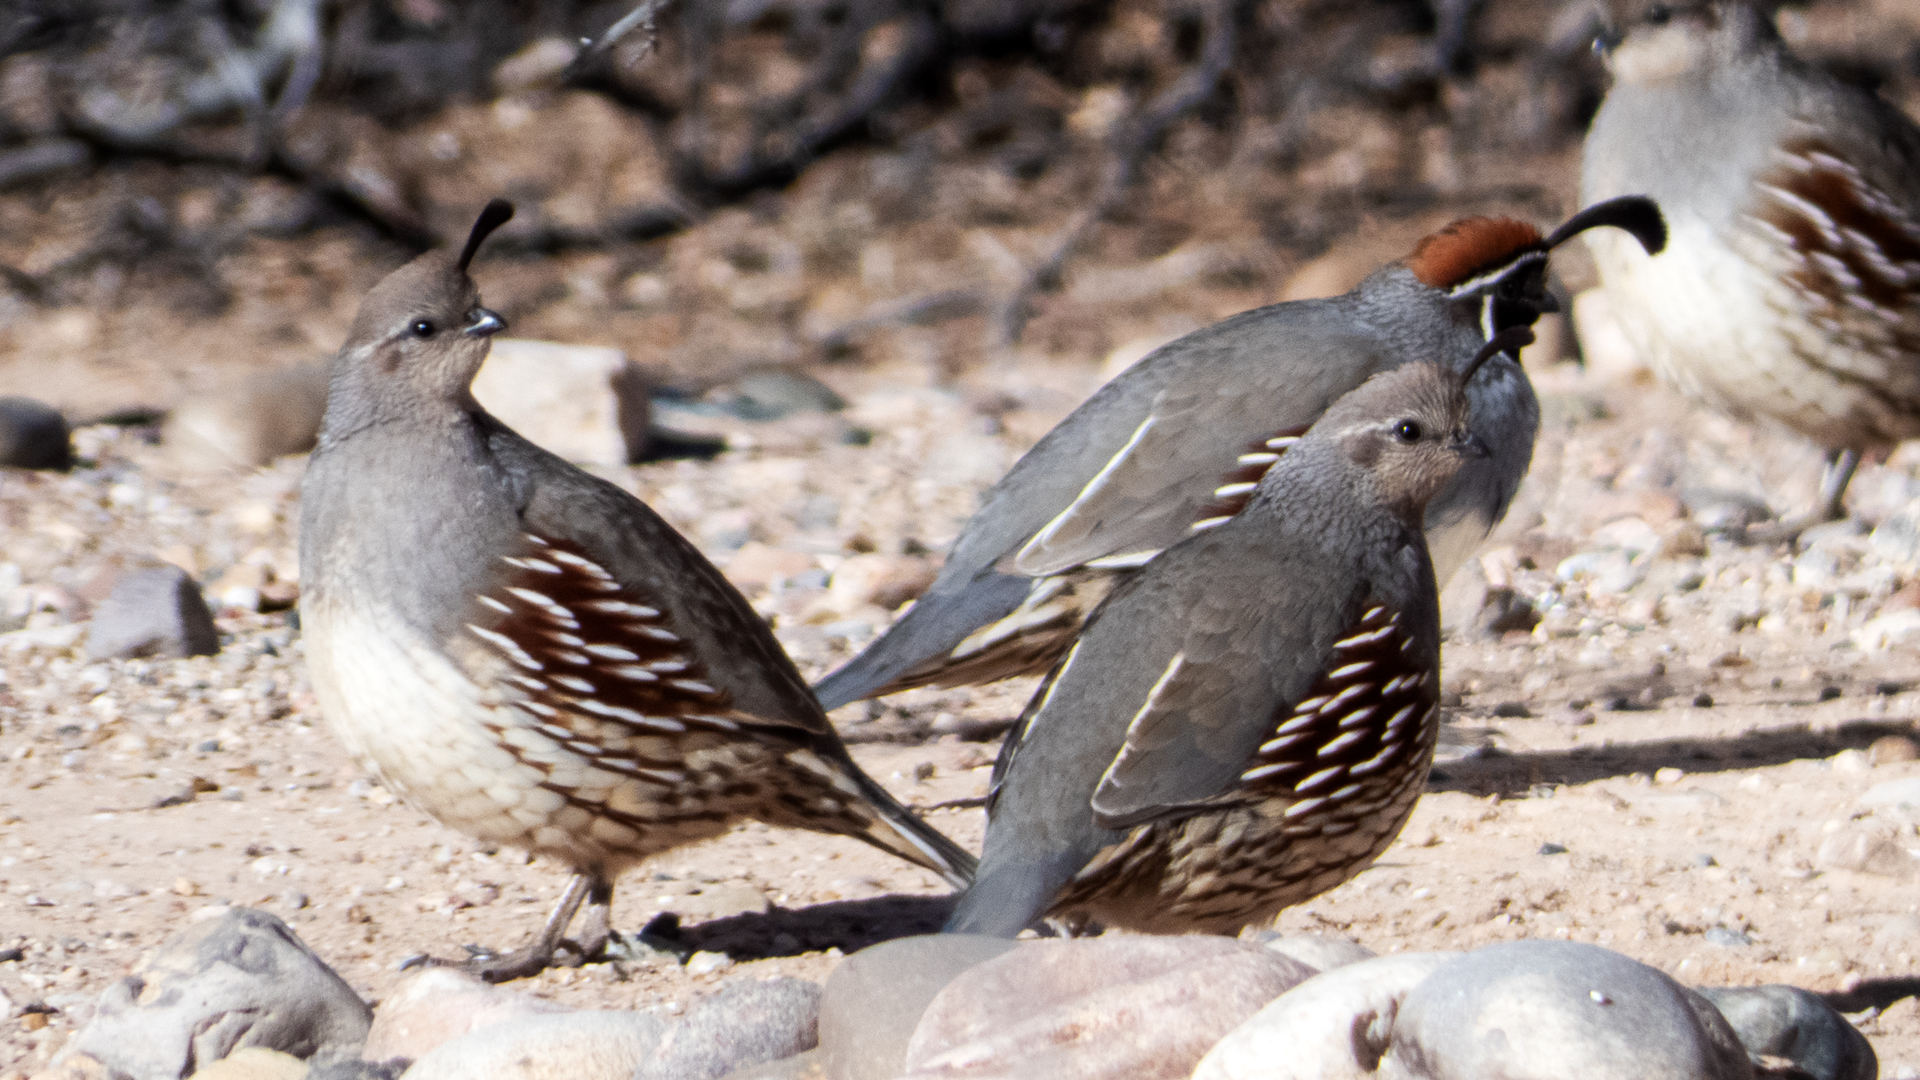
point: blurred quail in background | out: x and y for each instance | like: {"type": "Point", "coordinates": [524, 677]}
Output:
{"type": "Point", "coordinates": [1790, 290]}
{"type": "Point", "coordinates": [1178, 441]}
{"type": "Point", "coordinates": [528, 653]}
{"type": "Point", "coordinates": [1247, 721]}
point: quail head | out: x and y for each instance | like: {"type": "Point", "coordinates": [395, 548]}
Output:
{"type": "Point", "coordinates": [1790, 291]}
{"type": "Point", "coordinates": [1178, 441]}
{"type": "Point", "coordinates": [1247, 721]}
{"type": "Point", "coordinates": [530, 654]}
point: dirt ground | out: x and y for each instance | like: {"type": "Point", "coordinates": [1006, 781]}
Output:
{"type": "Point", "coordinates": [1671, 764]}
{"type": "Point", "coordinates": [1587, 790]}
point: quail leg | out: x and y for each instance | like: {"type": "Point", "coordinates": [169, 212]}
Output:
{"type": "Point", "coordinates": [596, 922]}
{"type": "Point", "coordinates": [537, 956]}
{"type": "Point", "coordinates": [1833, 483]}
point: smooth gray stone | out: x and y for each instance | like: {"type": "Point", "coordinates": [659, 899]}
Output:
{"type": "Point", "coordinates": [33, 435]}
{"type": "Point", "coordinates": [746, 1023]}
{"type": "Point", "coordinates": [152, 611]}
{"type": "Point", "coordinates": [559, 1046]}
{"type": "Point", "coordinates": [1334, 1026]}
{"type": "Point", "coordinates": [805, 1066]}
{"type": "Point", "coordinates": [874, 999]}
{"type": "Point", "coordinates": [1321, 952]}
{"type": "Point", "coordinates": [242, 980]}
{"type": "Point", "coordinates": [771, 395]}
{"type": "Point", "coordinates": [1788, 1022]}
{"type": "Point", "coordinates": [1543, 1010]}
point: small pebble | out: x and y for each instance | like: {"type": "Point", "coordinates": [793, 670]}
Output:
{"type": "Point", "coordinates": [704, 963]}
{"type": "Point", "coordinates": [1703, 701]}
{"type": "Point", "coordinates": [1553, 849]}
{"type": "Point", "coordinates": [1512, 710]}
{"type": "Point", "coordinates": [1668, 775]}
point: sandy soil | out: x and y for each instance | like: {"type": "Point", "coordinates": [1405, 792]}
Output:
{"type": "Point", "coordinates": [137, 795]}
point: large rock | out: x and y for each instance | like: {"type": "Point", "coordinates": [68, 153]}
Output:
{"type": "Point", "coordinates": [153, 610]}
{"type": "Point", "coordinates": [587, 404]}
{"type": "Point", "coordinates": [567, 1046]}
{"type": "Point", "coordinates": [1124, 1007]}
{"type": "Point", "coordinates": [1788, 1022]}
{"type": "Point", "coordinates": [1543, 1010]}
{"type": "Point", "coordinates": [248, 424]}
{"type": "Point", "coordinates": [746, 1023]}
{"type": "Point", "coordinates": [1321, 952]}
{"type": "Point", "coordinates": [242, 980]}
{"type": "Point", "coordinates": [874, 999]}
{"type": "Point", "coordinates": [33, 435]}
{"type": "Point", "coordinates": [1334, 1026]}
{"type": "Point", "coordinates": [441, 1004]}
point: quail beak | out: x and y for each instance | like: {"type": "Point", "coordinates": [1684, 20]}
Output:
{"type": "Point", "coordinates": [1469, 445]}
{"type": "Point", "coordinates": [484, 323]}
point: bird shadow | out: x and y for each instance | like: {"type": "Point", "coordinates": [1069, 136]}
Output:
{"type": "Point", "coordinates": [1510, 774]}
{"type": "Point", "coordinates": [1873, 993]}
{"type": "Point", "coordinates": [847, 925]}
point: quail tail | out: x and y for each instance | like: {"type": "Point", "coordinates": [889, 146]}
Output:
{"type": "Point", "coordinates": [933, 626]}
{"type": "Point", "coordinates": [895, 830]}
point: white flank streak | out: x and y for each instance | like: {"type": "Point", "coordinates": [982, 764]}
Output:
{"type": "Point", "coordinates": [1401, 716]}
{"type": "Point", "coordinates": [1280, 743]}
{"type": "Point", "coordinates": [531, 597]}
{"type": "Point", "coordinates": [570, 640]}
{"type": "Point", "coordinates": [1345, 670]}
{"type": "Point", "coordinates": [1262, 772]}
{"type": "Point", "coordinates": [1339, 700]}
{"type": "Point", "coordinates": [1310, 704]}
{"type": "Point", "coordinates": [1046, 534]}
{"type": "Point", "coordinates": [1282, 442]}
{"type": "Point", "coordinates": [1207, 523]}
{"type": "Point", "coordinates": [1376, 762]}
{"type": "Point", "coordinates": [555, 731]}
{"type": "Point", "coordinates": [657, 634]}
{"type": "Point", "coordinates": [1347, 792]}
{"type": "Point", "coordinates": [1320, 779]}
{"type": "Point", "coordinates": [577, 659]}
{"type": "Point", "coordinates": [574, 683]}
{"type": "Point", "coordinates": [622, 607]}
{"type": "Point", "coordinates": [1371, 612]}
{"type": "Point", "coordinates": [541, 565]}
{"type": "Point", "coordinates": [1304, 806]}
{"type": "Point", "coordinates": [529, 682]}
{"type": "Point", "coordinates": [511, 647]}
{"type": "Point", "coordinates": [1367, 638]}
{"type": "Point", "coordinates": [692, 686]}
{"type": "Point", "coordinates": [538, 709]}
{"type": "Point", "coordinates": [1357, 717]}
{"type": "Point", "coordinates": [496, 605]}
{"type": "Point", "coordinates": [1300, 721]}
{"type": "Point", "coordinates": [720, 722]}
{"type": "Point", "coordinates": [667, 666]}
{"type": "Point", "coordinates": [1228, 491]}
{"type": "Point", "coordinates": [611, 652]}
{"type": "Point", "coordinates": [1258, 459]}
{"type": "Point", "coordinates": [1341, 743]}
{"type": "Point", "coordinates": [662, 723]}
{"type": "Point", "coordinates": [633, 672]}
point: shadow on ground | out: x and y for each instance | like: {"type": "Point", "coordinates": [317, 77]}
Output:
{"type": "Point", "coordinates": [847, 925]}
{"type": "Point", "coordinates": [1491, 771]}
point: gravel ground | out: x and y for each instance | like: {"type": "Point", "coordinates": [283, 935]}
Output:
{"type": "Point", "coordinates": [1671, 764]}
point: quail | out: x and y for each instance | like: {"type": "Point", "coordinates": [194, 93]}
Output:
{"type": "Point", "coordinates": [1790, 292]}
{"type": "Point", "coordinates": [1247, 721]}
{"type": "Point", "coordinates": [1177, 441]}
{"type": "Point", "coordinates": [526, 652]}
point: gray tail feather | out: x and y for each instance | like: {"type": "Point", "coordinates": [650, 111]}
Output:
{"type": "Point", "coordinates": [897, 831]}
{"type": "Point", "coordinates": [1008, 898]}
{"type": "Point", "coordinates": [934, 625]}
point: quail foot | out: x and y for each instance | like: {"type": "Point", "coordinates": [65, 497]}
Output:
{"type": "Point", "coordinates": [1790, 291]}
{"type": "Point", "coordinates": [1179, 440]}
{"type": "Point", "coordinates": [1247, 721]}
{"type": "Point", "coordinates": [528, 653]}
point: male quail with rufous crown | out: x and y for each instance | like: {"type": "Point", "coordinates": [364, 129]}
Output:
{"type": "Point", "coordinates": [1247, 721]}
{"type": "Point", "coordinates": [1177, 441]}
{"type": "Point", "coordinates": [1791, 290]}
{"type": "Point", "coordinates": [530, 654]}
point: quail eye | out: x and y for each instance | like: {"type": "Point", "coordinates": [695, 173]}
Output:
{"type": "Point", "coordinates": [1658, 15]}
{"type": "Point", "coordinates": [1407, 431]}
{"type": "Point", "coordinates": [422, 328]}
